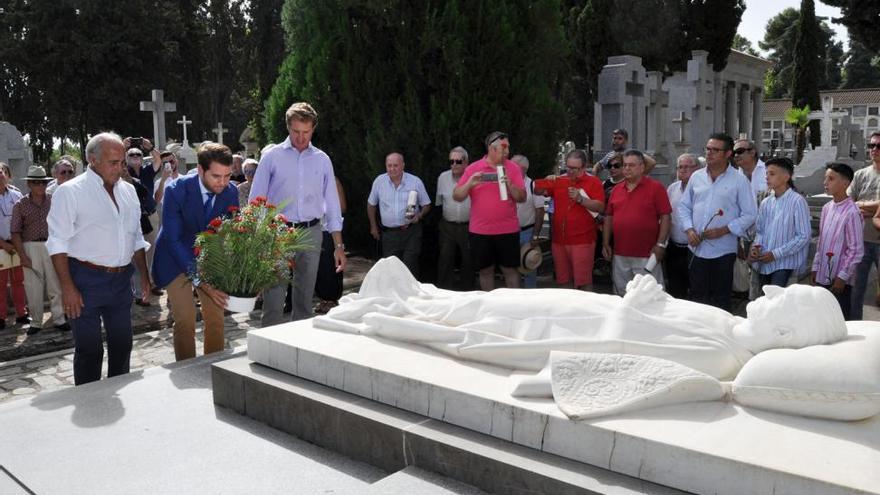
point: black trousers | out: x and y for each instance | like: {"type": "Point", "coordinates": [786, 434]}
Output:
{"type": "Point", "coordinates": [844, 299]}
{"type": "Point", "coordinates": [675, 270]}
{"type": "Point", "coordinates": [328, 284]}
{"type": "Point", "coordinates": [712, 280]}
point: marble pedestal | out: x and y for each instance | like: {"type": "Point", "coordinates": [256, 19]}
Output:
{"type": "Point", "coordinates": [712, 447]}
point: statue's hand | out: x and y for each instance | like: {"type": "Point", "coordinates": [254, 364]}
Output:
{"type": "Point", "coordinates": [643, 289]}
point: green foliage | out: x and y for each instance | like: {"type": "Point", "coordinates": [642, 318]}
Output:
{"type": "Point", "coordinates": [741, 43]}
{"type": "Point", "coordinates": [862, 69]}
{"type": "Point", "coordinates": [779, 40]}
{"type": "Point", "coordinates": [248, 252]}
{"type": "Point", "coordinates": [420, 77]}
{"type": "Point", "coordinates": [860, 18]}
{"type": "Point", "coordinates": [799, 118]}
{"type": "Point", "coordinates": [805, 84]}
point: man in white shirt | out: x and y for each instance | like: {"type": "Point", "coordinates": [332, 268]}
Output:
{"type": "Point", "coordinates": [530, 214]}
{"type": "Point", "coordinates": [745, 155]}
{"type": "Point", "coordinates": [94, 240]}
{"type": "Point", "coordinates": [453, 227]}
{"type": "Point", "coordinates": [675, 263]}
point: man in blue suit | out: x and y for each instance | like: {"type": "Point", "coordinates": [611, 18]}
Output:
{"type": "Point", "coordinates": [190, 203]}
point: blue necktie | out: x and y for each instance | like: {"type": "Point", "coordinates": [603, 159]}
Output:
{"type": "Point", "coordinates": [209, 203]}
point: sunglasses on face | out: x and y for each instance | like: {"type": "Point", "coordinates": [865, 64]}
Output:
{"type": "Point", "coordinates": [615, 165]}
{"type": "Point", "coordinates": [739, 151]}
{"type": "Point", "coordinates": [65, 172]}
{"type": "Point", "coordinates": [456, 162]}
{"type": "Point", "coordinates": [874, 146]}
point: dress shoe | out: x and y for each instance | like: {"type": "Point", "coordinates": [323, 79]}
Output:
{"type": "Point", "coordinates": [2, 324]}
{"type": "Point", "coordinates": [23, 320]}
{"type": "Point", "coordinates": [157, 291]}
{"type": "Point", "coordinates": [141, 302]}
{"type": "Point", "coordinates": [64, 327]}
{"type": "Point", "coordinates": [33, 330]}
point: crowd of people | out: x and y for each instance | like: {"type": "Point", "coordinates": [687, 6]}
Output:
{"type": "Point", "coordinates": [123, 230]}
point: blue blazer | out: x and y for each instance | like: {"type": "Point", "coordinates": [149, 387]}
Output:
{"type": "Point", "coordinates": [183, 216]}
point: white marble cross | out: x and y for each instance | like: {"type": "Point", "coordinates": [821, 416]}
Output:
{"type": "Point", "coordinates": [184, 123]}
{"type": "Point", "coordinates": [826, 116]}
{"type": "Point", "coordinates": [219, 131]}
{"type": "Point", "coordinates": [158, 106]}
{"type": "Point", "coordinates": [681, 121]}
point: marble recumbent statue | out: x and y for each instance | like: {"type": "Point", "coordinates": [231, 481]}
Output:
{"type": "Point", "coordinates": [598, 354]}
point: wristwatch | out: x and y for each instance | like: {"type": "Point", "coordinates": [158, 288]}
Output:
{"type": "Point", "coordinates": [341, 246]}
{"type": "Point", "coordinates": [663, 244]}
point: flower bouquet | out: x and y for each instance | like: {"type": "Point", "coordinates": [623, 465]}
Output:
{"type": "Point", "coordinates": [246, 251]}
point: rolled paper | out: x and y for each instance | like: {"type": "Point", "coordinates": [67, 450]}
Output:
{"type": "Point", "coordinates": [501, 187]}
{"type": "Point", "coordinates": [584, 195]}
{"type": "Point", "coordinates": [651, 263]}
{"type": "Point", "coordinates": [413, 197]}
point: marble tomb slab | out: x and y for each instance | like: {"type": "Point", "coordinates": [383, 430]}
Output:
{"type": "Point", "coordinates": [711, 447]}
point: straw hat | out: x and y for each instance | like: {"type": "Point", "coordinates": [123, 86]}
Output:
{"type": "Point", "coordinates": [530, 258]}
{"type": "Point", "coordinates": [37, 173]}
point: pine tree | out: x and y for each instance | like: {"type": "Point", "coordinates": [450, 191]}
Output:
{"type": "Point", "coordinates": [804, 86]}
{"type": "Point", "coordinates": [860, 18]}
{"type": "Point", "coordinates": [861, 69]}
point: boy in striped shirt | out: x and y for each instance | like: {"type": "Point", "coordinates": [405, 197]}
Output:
{"type": "Point", "coordinates": [840, 246]}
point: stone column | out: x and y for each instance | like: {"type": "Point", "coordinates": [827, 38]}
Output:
{"type": "Point", "coordinates": [730, 114]}
{"type": "Point", "coordinates": [745, 123]}
{"type": "Point", "coordinates": [757, 120]}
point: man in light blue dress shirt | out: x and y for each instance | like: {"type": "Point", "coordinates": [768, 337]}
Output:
{"type": "Point", "coordinates": [717, 207]}
{"type": "Point", "coordinates": [299, 176]}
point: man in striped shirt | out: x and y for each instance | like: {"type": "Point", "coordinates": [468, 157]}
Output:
{"type": "Point", "coordinates": [840, 247]}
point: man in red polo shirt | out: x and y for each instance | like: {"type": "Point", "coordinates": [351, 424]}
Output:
{"type": "Point", "coordinates": [494, 226]}
{"type": "Point", "coordinates": [638, 216]}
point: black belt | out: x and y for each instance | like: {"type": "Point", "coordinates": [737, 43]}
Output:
{"type": "Point", "coordinates": [455, 223]}
{"type": "Point", "coordinates": [303, 225]}
{"type": "Point", "coordinates": [100, 268]}
{"type": "Point", "coordinates": [527, 227]}
{"type": "Point", "coordinates": [392, 228]}
{"type": "Point", "coordinates": [680, 245]}
{"type": "Point", "coordinates": [37, 240]}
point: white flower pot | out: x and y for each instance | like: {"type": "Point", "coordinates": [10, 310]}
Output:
{"type": "Point", "coordinates": [240, 304]}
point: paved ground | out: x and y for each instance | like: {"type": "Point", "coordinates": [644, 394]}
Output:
{"type": "Point", "coordinates": [47, 362]}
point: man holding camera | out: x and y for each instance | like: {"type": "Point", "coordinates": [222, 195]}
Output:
{"type": "Point", "coordinates": [402, 202]}
{"type": "Point", "coordinates": [494, 185]}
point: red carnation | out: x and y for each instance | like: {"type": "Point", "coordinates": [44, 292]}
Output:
{"type": "Point", "coordinates": [281, 218]}
{"type": "Point", "coordinates": [259, 200]}
{"type": "Point", "coordinates": [216, 223]}
{"type": "Point", "coordinates": [720, 212]}
{"type": "Point", "coordinates": [829, 254]}
{"type": "Point", "coordinates": [197, 250]}
{"type": "Point", "coordinates": [232, 209]}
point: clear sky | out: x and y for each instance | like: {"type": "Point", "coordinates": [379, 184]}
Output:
{"type": "Point", "coordinates": [758, 12]}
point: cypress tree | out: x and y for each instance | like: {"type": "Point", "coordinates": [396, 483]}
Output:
{"type": "Point", "coordinates": [807, 64]}
{"type": "Point", "coordinates": [419, 77]}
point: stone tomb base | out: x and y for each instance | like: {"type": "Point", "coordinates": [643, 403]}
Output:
{"type": "Point", "coordinates": [711, 447]}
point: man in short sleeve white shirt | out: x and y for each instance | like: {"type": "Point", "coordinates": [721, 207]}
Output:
{"type": "Point", "coordinates": [453, 226]}
{"type": "Point", "coordinates": [95, 242]}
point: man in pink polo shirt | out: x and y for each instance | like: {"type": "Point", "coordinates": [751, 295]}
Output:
{"type": "Point", "coordinates": [637, 213]}
{"type": "Point", "coordinates": [494, 227]}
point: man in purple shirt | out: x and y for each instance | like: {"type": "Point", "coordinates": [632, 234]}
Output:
{"type": "Point", "coordinates": [300, 176]}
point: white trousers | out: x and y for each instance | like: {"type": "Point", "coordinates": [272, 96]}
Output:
{"type": "Point", "coordinates": [38, 278]}
{"type": "Point", "coordinates": [625, 268]}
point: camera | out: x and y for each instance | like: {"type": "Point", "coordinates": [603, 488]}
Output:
{"type": "Point", "coordinates": [489, 177]}
{"type": "Point", "coordinates": [136, 142]}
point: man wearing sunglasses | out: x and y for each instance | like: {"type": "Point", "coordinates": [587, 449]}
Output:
{"type": "Point", "coordinates": [865, 191]}
{"type": "Point", "coordinates": [453, 226]}
{"type": "Point", "coordinates": [745, 155]}
{"type": "Point", "coordinates": [62, 171]}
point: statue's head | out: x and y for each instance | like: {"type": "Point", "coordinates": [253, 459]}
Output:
{"type": "Point", "coordinates": [796, 316]}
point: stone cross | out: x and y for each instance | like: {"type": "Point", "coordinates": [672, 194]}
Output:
{"type": "Point", "coordinates": [635, 90]}
{"type": "Point", "coordinates": [158, 106]}
{"type": "Point", "coordinates": [184, 123]}
{"type": "Point", "coordinates": [682, 121]}
{"type": "Point", "coordinates": [219, 131]}
{"type": "Point", "coordinates": [826, 117]}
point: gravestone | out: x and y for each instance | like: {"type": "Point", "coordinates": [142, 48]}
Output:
{"type": "Point", "coordinates": [14, 151]}
{"type": "Point", "coordinates": [185, 154]}
{"type": "Point", "coordinates": [850, 139]}
{"type": "Point", "coordinates": [158, 106]}
{"type": "Point", "coordinates": [251, 146]}
{"type": "Point", "coordinates": [826, 117]}
{"type": "Point", "coordinates": [810, 172]}
{"type": "Point", "coordinates": [621, 102]}
{"type": "Point", "coordinates": [219, 131]}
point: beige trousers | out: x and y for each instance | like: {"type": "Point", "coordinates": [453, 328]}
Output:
{"type": "Point", "coordinates": [38, 278]}
{"type": "Point", "coordinates": [183, 308]}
